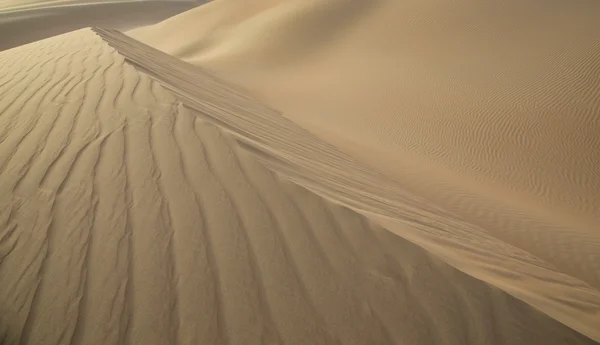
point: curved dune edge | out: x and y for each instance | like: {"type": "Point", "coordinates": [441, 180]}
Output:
{"type": "Point", "coordinates": [301, 157]}
{"type": "Point", "coordinates": [489, 110]}
{"type": "Point", "coordinates": [130, 214]}
{"type": "Point", "coordinates": [505, 94]}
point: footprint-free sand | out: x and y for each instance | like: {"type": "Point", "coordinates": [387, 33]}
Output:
{"type": "Point", "coordinates": [315, 172]}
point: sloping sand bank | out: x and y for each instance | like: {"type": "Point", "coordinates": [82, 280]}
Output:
{"type": "Point", "coordinates": [487, 110]}
{"type": "Point", "coordinates": [562, 291]}
{"type": "Point", "coordinates": [469, 93]}
{"type": "Point", "coordinates": [131, 215]}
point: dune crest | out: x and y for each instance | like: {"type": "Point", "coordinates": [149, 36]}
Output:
{"type": "Point", "coordinates": [135, 210]}
{"type": "Point", "coordinates": [487, 111]}
{"type": "Point", "coordinates": [505, 94]}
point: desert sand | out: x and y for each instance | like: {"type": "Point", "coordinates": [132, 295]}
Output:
{"type": "Point", "coordinates": [132, 215]}
{"type": "Point", "coordinates": [487, 111]}
{"type": "Point", "coordinates": [312, 172]}
{"type": "Point", "coordinates": [503, 93]}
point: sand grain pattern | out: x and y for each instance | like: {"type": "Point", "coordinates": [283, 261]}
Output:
{"type": "Point", "coordinates": [130, 214]}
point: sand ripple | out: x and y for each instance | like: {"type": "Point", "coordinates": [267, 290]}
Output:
{"type": "Point", "coordinates": [130, 213]}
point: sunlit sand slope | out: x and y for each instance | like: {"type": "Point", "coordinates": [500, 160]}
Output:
{"type": "Point", "coordinates": [460, 93]}
{"type": "Point", "coordinates": [129, 214]}
{"type": "Point", "coordinates": [487, 110]}
{"type": "Point", "coordinates": [550, 265]}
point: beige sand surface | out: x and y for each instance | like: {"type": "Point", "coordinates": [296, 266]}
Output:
{"type": "Point", "coordinates": [136, 209]}
{"type": "Point", "coordinates": [23, 22]}
{"type": "Point", "coordinates": [487, 110]}
{"type": "Point", "coordinates": [507, 93]}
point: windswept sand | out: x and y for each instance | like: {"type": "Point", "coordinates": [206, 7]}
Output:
{"type": "Point", "coordinates": [23, 22]}
{"type": "Point", "coordinates": [137, 208]}
{"type": "Point", "coordinates": [484, 114]}
{"type": "Point", "coordinates": [505, 94]}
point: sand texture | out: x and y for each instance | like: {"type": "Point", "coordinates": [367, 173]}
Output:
{"type": "Point", "coordinates": [485, 115]}
{"type": "Point", "coordinates": [143, 201]}
{"type": "Point", "coordinates": [502, 96]}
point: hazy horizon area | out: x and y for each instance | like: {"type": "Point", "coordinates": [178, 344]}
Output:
{"type": "Point", "coordinates": [16, 5]}
{"type": "Point", "coordinates": [25, 22]}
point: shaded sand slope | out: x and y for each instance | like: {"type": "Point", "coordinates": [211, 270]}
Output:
{"type": "Point", "coordinates": [502, 94]}
{"type": "Point", "coordinates": [548, 265]}
{"type": "Point", "coordinates": [27, 24]}
{"type": "Point", "coordinates": [130, 215]}
{"type": "Point", "coordinates": [489, 110]}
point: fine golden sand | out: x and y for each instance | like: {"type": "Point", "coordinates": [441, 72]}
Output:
{"type": "Point", "coordinates": [488, 111]}
{"type": "Point", "coordinates": [306, 172]}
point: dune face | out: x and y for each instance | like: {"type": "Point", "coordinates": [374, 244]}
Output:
{"type": "Point", "coordinates": [137, 208]}
{"type": "Point", "coordinates": [506, 94]}
{"type": "Point", "coordinates": [485, 115]}
{"type": "Point", "coordinates": [23, 22]}
{"type": "Point", "coordinates": [500, 95]}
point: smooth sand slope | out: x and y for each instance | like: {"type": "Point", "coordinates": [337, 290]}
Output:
{"type": "Point", "coordinates": [506, 93]}
{"type": "Point", "coordinates": [136, 209]}
{"type": "Point", "coordinates": [23, 22]}
{"type": "Point", "coordinates": [489, 111]}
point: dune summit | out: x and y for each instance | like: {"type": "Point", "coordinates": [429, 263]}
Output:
{"type": "Point", "coordinates": [144, 201]}
{"type": "Point", "coordinates": [488, 112]}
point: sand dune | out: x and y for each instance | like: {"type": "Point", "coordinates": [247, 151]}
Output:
{"type": "Point", "coordinates": [562, 281]}
{"type": "Point", "coordinates": [500, 96]}
{"type": "Point", "coordinates": [137, 207]}
{"type": "Point", "coordinates": [23, 22]}
{"type": "Point", "coordinates": [485, 116]}
{"type": "Point", "coordinates": [503, 94]}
